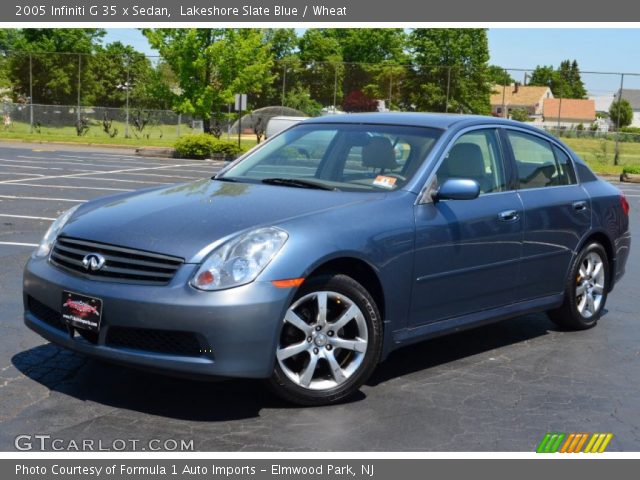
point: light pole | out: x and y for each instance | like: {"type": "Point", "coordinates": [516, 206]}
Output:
{"type": "Point", "coordinates": [126, 87]}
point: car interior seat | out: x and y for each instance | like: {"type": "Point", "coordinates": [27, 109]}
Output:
{"type": "Point", "coordinates": [379, 154]}
{"type": "Point", "coordinates": [465, 160]}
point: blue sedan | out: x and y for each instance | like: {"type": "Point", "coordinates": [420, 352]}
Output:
{"type": "Point", "coordinates": [311, 258]}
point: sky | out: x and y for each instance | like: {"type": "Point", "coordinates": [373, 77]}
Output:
{"type": "Point", "coordinates": [596, 50]}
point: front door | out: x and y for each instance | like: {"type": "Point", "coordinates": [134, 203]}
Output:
{"type": "Point", "coordinates": [468, 251]}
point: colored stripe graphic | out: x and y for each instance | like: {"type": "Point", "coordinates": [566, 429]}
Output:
{"type": "Point", "coordinates": [598, 443]}
{"type": "Point", "coordinates": [550, 443]}
{"type": "Point", "coordinates": [557, 442]}
{"type": "Point", "coordinates": [574, 443]}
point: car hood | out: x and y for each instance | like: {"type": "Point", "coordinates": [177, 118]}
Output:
{"type": "Point", "coordinates": [182, 220]}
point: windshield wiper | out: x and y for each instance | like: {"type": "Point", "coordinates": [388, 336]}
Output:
{"type": "Point", "coordinates": [224, 179]}
{"type": "Point", "coordinates": [297, 182]}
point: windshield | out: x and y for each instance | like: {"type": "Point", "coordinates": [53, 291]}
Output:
{"type": "Point", "coordinates": [338, 157]}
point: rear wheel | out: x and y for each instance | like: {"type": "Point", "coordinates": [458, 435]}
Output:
{"type": "Point", "coordinates": [586, 290]}
{"type": "Point", "coordinates": [330, 342]}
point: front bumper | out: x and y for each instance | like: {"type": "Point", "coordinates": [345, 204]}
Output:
{"type": "Point", "coordinates": [233, 333]}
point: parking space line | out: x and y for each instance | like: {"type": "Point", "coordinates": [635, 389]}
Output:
{"type": "Point", "coordinates": [30, 167]}
{"type": "Point", "coordinates": [64, 162]}
{"type": "Point", "coordinates": [22, 173]}
{"type": "Point", "coordinates": [19, 244]}
{"type": "Point", "coordinates": [113, 180]}
{"type": "Point", "coordinates": [206, 174]}
{"type": "Point", "coordinates": [29, 217]}
{"type": "Point", "coordinates": [157, 175]}
{"type": "Point", "coordinates": [67, 186]}
{"type": "Point", "coordinates": [45, 199]}
{"type": "Point", "coordinates": [75, 175]}
{"type": "Point", "coordinates": [119, 160]}
{"type": "Point", "coordinates": [49, 161]}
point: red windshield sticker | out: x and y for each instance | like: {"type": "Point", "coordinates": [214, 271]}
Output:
{"type": "Point", "coordinates": [384, 181]}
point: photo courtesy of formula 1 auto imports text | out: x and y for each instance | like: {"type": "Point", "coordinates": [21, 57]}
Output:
{"type": "Point", "coordinates": [323, 240]}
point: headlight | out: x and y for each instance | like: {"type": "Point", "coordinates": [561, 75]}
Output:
{"type": "Point", "coordinates": [240, 260]}
{"type": "Point", "coordinates": [47, 241]}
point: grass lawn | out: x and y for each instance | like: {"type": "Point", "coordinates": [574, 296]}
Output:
{"type": "Point", "coordinates": [599, 153]}
{"type": "Point", "coordinates": [151, 136]}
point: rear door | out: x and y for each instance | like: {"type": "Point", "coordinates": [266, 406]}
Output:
{"type": "Point", "coordinates": [557, 212]}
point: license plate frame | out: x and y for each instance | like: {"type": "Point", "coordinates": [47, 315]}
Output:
{"type": "Point", "coordinates": [81, 311]}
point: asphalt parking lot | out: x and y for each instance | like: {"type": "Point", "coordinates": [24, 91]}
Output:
{"type": "Point", "coordinates": [497, 388]}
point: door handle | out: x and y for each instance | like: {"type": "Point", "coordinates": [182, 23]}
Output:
{"type": "Point", "coordinates": [509, 216]}
{"type": "Point", "coordinates": [580, 206]}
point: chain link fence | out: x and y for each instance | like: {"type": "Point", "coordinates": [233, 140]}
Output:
{"type": "Point", "coordinates": [111, 96]}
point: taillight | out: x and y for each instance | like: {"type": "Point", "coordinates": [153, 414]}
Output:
{"type": "Point", "coordinates": [624, 203]}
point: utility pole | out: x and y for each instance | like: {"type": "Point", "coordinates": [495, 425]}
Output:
{"type": "Point", "coordinates": [446, 106]}
{"type": "Point", "coordinates": [30, 93]}
{"type": "Point", "coordinates": [79, 85]}
{"type": "Point", "coordinates": [127, 87]}
{"type": "Point", "coordinates": [284, 86]}
{"type": "Point", "coordinates": [616, 157]}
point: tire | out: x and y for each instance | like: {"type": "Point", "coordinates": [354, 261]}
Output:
{"type": "Point", "coordinates": [590, 275]}
{"type": "Point", "coordinates": [322, 358]}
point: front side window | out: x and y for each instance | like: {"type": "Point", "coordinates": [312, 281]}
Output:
{"type": "Point", "coordinates": [475, 156]}
{"type": "Point", "coordinates": [338, 156]}
{"type": "Point", "coordinates": [538, 163]}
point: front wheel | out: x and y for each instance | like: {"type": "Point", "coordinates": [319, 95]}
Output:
{"type": "Point", "coordinates": [586, 290]}
{"type": "Point", "coordinates": [330, 342]}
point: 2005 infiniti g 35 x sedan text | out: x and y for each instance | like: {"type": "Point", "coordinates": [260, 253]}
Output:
{"type": "Point", "coordinates": [315, 255]}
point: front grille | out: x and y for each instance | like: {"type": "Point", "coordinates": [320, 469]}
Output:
{"type": "Point", "coordinates": [152, 340]}
{"type": "Point", "coordinates": [124, 265]}
{"type": "Point", "coordinates": [45, 314]}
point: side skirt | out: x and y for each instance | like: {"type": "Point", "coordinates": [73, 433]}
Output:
{"type": "Point", "coordinates": [472, 320]}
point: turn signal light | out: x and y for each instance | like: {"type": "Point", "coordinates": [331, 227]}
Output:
{"type": "Point", "coordinates": [291, 282]}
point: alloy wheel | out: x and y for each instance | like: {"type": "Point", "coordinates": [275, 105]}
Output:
{"type": "Point", "coordinates": [323, 341]}
{"type": "Point", "coordinates": [590, 284]}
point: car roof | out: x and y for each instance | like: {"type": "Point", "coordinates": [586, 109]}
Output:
{"type": "Point", "coordinates": [434, 120]}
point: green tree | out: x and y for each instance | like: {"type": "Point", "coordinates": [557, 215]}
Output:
{"type": "Point", "coordinates": [375, 59]}
{"type": "Point", "coordinates": [283, 47]}
{"type": "Point", "coordinates": [564, 82]}
{"type": "Point", "coordinates": [520, 115]}
{"type": "Point", "coordinates": [322, 69]}
{"type": "Point", "coordinates": [214, 64]}
{"type": "Point", "coordinates": [55, 63]}
{"type": "Point", "coordinates": [499, 76]}
{"type": "Point", "coordinates": [115, 69]}
{"type": "Point", "coordinates": [453, 61]}
{"type": "Point", "coordinates": [621, 113]}
{"type": "Point", "coordinates": [299, 98]}
{"type": "Point", "coordinates": [7, 40]}
{"type": "Point", "coordinates": [575, 81]}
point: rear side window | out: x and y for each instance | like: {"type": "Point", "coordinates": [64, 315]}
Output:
{"type": "Point", "coordinates": [539, 163]}
{"type": "Point", "coordinates": [564, 165]}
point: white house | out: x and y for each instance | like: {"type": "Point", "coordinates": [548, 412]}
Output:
{"type": "Point", "coordinates": [633, 97]}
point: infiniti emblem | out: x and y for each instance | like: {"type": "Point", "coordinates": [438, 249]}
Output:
{"type": "Point", "coordinates": [93, 261]}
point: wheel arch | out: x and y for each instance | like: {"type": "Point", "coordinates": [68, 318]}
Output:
{"type": "Point", "coordinates": [603, 239]}
{"type": "Point", "coordinates": [361, 271]}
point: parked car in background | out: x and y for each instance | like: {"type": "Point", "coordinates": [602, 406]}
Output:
{"type": "Point", "coordinates": [310, 259]}
{"type": "Point", "coordinates": [277, 124]}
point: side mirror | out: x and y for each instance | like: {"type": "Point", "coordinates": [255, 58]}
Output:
{"type": "Point", "coordinates": [457, 189]}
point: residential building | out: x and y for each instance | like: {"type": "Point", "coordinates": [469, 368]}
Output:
{"type": "Point", "coordinates": [515, 96]}
{"type": "Point", "coordinates": [633, 97]}
{"type": "Point", "coordinates": [569, 112]}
